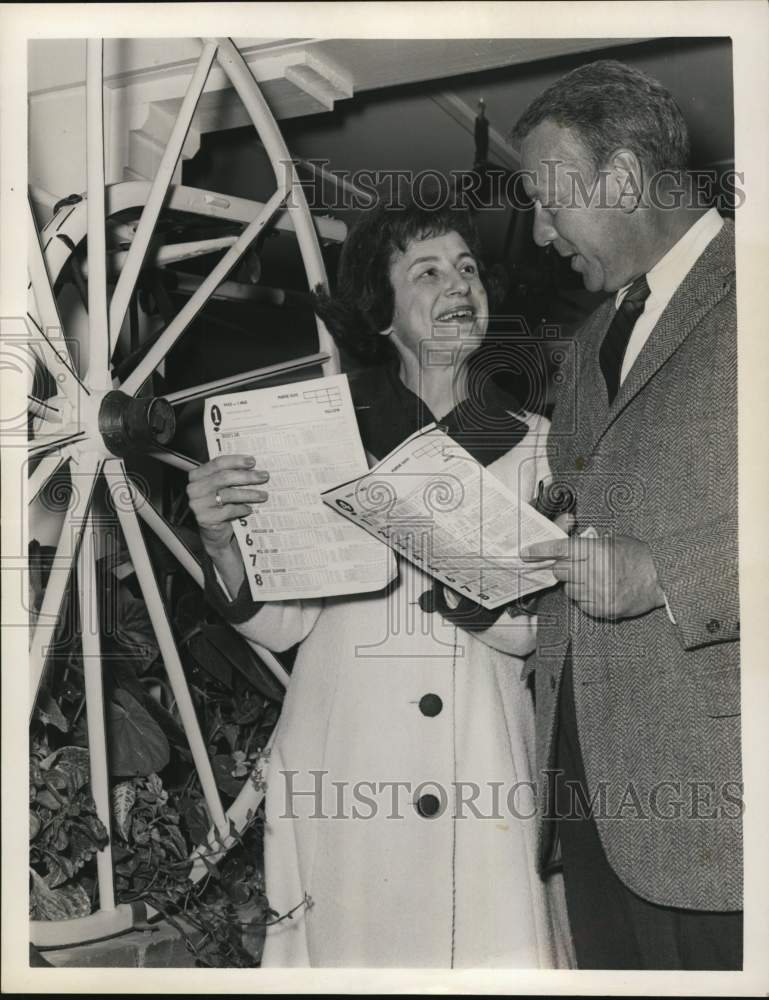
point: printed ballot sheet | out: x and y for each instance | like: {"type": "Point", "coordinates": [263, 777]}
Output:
{"type": "Point", "coordinates": [434, 504]}
{"type": "Point", "coordinates": [306, 436]}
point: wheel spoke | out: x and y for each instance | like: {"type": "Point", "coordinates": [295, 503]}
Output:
{"type": "Point", "coordinates": [174, 458]}
{"type": "Point", "coordinates": [44, 410]}
{"type": "Point", "coordinates": [239, 813]}
{"type": "Point", "coordinates": [232, 291]}
{"type": "Point", "coordinates": [235, 381]}
{"type": "Point", "coordinates": [157, 196]}
{"type": "Point", "coordinates": [190, 310]}
{"type": "Point", "coordinates": [118, 260]}
{"type": "Point", "coordinates": [120, 489]}
{"type": "Point", "coordinates": [186, 557]}
{"type": "Point", "coordinates": [90, 639]}
{"type": "Point", "coordinates": [175, 545]}
{"type": "Point", "coordinates": [53, 354]}
{"type": "Point", "coordinates": [69, 542]}
{"type": "Point", "coordinates": [98, 361]}
{"type": "Point", "coordinates": [41, 447]}
{"type": "Point", "coordinates": [53, 345]}
{"type": "Point", "coordinates": [240, 76]}
{"type": "Point", "coordinates": [47, 466]}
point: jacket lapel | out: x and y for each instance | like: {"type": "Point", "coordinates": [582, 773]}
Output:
{"type": "Point", "coordinates": [706, 284]}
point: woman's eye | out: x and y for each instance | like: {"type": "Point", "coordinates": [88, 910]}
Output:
{"type": "Point", "coordinates": [429, 272]}
{"type": "Point", "coordinates": [469, 269]}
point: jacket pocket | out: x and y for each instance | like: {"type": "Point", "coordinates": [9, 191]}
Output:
{"type": "Point", "coordinates": [718, 690]}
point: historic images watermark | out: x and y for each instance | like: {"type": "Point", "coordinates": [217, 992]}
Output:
{"type": "Point", "coordinates": [312, 794]}
{"type": "Point", "coordinates": [491, 188]}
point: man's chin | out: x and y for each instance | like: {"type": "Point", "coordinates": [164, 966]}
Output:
{"type": "Point", "coordinates": [593, 282]}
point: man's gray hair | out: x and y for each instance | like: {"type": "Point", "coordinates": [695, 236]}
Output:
{"type": "Point", "coordinates": [612, 106]}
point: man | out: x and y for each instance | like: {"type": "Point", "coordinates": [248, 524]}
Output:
{"type": "Point", "coordinates": [637, 670]}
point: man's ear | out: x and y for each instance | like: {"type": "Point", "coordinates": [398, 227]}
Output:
{"type": "Point", "coordinates": [627, 172]}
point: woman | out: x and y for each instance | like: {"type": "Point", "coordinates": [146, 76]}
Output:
{"type": "Point", "coordinates": [398, 799]}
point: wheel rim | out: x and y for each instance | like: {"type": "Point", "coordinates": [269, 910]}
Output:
{"type": "Point", "coordinates": [93, 422]}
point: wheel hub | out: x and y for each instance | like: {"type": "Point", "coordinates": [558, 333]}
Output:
{"type": "Point", "coordinates": [129, 424]}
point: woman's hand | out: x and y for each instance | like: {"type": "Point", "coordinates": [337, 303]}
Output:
{"type": "Point", "coordinates": [233, 480]}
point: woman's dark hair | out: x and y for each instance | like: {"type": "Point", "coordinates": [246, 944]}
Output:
{"type": "Point", "coordinates": [363, 304]}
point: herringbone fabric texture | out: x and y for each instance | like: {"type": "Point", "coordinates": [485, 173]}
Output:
{"type": "Point", "coordinates": [658, 704]}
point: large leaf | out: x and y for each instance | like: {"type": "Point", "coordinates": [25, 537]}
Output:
{"type": "Point", "coordinates": [133, 630]}
{"type": "Point", "coordinates": [83, 841]}
{"type": "Point", "coordinates": [73, 762]}
{"type": "Point", "coordinates": [136, 742]}
{"type": "Point", "coordinates": [223, 765]}
{"type": "Point", "coordinates": [123, 675]}
{"type": "Point", "coordinates": [48, 800]}
{"type": "Point", "coordinates": [123, 798]}
{"type": "Point", "coordinates": [58, 904]}
{"type": "Point", "coordinates": [48, 711]}
{"type": "Point", "coordinates": [220, 650]}
{"type": "Point", "coordinates": [209, 658]}
{"type": "Point", "coordinates": [60, 869]}
{"type": "Point", "coordinates": [195, 818]}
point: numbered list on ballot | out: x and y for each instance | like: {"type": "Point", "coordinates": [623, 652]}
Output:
{"type": "Point", "coordinates": [306, 436]}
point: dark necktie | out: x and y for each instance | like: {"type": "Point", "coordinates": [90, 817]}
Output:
{"type": "Point", "coordinates": [617, 336]}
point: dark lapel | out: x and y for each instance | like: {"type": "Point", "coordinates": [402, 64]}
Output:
{"type": "Point", "coordinates": [388, 412]}
{"type": "Point", "coordinates": [706, 284]}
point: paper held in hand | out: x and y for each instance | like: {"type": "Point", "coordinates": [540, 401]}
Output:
{"type": "Point", "coordinates": [306, 436]}
{"type": "Point", "coordinates": [434, 504]}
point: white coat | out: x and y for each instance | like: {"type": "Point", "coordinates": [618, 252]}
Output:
{"type": "Point", "coordinates": [385, 884]}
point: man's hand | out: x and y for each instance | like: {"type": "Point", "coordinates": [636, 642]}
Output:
{"type": "Point", "coordinates": [607, 577]}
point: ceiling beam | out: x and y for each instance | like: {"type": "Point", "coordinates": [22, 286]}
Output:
{"type": "Point", "coordinates": [458, 109]}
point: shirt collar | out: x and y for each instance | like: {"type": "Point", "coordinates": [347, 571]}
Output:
{"type": "Point", "coordinates": [670, 270]}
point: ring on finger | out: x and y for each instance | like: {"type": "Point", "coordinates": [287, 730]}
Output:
{"type": "Point", "coordinates": [218, 499]}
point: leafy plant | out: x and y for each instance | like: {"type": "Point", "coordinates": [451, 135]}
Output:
{"type": "Point", "coordinates": [64, 831]}
{"type": "Point", "coordinates": [158, 812]}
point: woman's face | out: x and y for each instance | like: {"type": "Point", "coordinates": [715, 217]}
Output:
{"type": "Point", "coordinates": [438, 295]}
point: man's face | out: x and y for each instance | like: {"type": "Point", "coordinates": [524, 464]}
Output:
{"type": "Point", "coordinates": [437, 292]}
{"type": "Point", "coordinates": [575, 213]}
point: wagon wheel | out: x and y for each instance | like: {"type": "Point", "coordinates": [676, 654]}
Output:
{"type": "Point", "coordinates": [93, 420]}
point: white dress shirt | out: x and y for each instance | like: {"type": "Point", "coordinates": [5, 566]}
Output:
{"type": "Point", "coordinates": [664, 279]}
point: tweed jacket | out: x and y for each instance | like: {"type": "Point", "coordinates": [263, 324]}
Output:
{"type": "Point", "coordinates": [657, 703]}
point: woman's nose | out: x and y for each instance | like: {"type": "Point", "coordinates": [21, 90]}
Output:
{"type": "Point", "coordinates": [459, 283]}
{"type": "Point", "coordinates": [544, 232]}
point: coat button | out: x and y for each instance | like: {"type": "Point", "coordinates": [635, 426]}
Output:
{"type": "Point", "coordinates": [579, 463]}
{"type": "Point", "coordinates": [427, 805]}
{"type": "Point", "coordinates": [714, 625]}
{"type": "Point", "coordinates": [427, 602]}
{"type": "Point", "coordinates": [430, 705]}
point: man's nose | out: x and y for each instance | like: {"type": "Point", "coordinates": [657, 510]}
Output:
{"type": "Point", "coordinates": [544, 232]}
